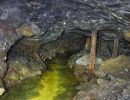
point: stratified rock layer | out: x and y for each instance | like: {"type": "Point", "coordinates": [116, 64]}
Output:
{"type": "Point", "coordinates": [54, 17]}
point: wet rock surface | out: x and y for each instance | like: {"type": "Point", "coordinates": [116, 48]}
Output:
{"type": "Point", "coordinates": [50, 19]}
{"type": "Point", "coordinates": [116, 67]}
{"type": "Point", "coordinates": [112, 82]}
{"type": "Point", "coordinates": [2, 88]}
{"type": "Point", "coordinates": [27, 57]}
{"type": "Point", "coordinates": [82, 58]}
{"type": "Point", "coordinates": [21, 68]}
{"type": "Point", "coordinates": [8, 37]}
{"type": "Point", "coordinates": [67, 43]}
{"type": "Point", "coordinates": [59, 27]}
{"type": "Point", "coordinates": [106, 90]}
{"type": "Point", "coordinates": [54, 17]}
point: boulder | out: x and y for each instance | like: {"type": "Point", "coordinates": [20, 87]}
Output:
{"type": "Point", "coordinates": [2, 89]}
{"type": "Point", "coordinates": [116, 67]}
{"type": "Point", "coordinates": [21, 69]}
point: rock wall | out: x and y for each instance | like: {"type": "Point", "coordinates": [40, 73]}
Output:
{"type": "Point", "coordinates": [53, 17]}
{"type": "Point", "coordinates": [47, 20]}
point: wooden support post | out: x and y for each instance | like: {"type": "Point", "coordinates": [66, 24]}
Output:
{"type": "Point", "coordinates": [115, 47]}
{"type": "Point", "coordinates": [88, 44]}
{"type": "Point", "coordinates": [91, 97]}
{"type": "Point", "coordinates": [92, 55]}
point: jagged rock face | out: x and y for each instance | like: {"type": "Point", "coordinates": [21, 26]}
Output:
{"type": "Point", "coordinates": [21, 68]}
{"type": "Point", "coordinates": [27, 57]}
{"type": "Point", "coordinates": [67, 43]}
{"type": "Point", "coordinates": [115, 67]}
{"type": "Point", "coordinates": [55, 16]}
{"type": "Point", "coordinates": [8, 37]}
{"type": "Point", "coordinates": [59, 15]}
{"type": "Point", "coordinates": [111, 83]}
{"type": "Point", "coordinates": [13, 11]}
{"type": "Point", "coordinates": [52, 18]}
{"type": "Point", "coordinates": [117, 89]}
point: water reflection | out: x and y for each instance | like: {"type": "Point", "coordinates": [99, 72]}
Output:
{"type": "Point", "coordinates": [57, 83]}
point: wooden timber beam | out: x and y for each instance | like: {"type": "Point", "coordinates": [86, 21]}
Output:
{"type": "Point", "coordinates": [115, 47]}
{"type": "Point", "coordinates": [92, 55]}
{"type": "Point", "coordinates": [88, 43]}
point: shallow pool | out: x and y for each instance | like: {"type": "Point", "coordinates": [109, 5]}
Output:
{"type": "Point", "coordinates": [57, 83]}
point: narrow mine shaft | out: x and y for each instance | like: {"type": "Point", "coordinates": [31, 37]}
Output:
{"type": "Point", "coordinates": [64, 50]}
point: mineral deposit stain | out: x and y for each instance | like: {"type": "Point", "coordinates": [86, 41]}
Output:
{"type": "Point", "coordinates": [57, 83]}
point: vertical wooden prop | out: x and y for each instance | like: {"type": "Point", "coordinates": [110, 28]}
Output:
{"type": "Point", "coordinates": [115, 47]}
{"type": "Point", "coordinates": [91, 97]}
{"type": "Point", "coordinates": [92, 55]}
{"type": "Point", "coordinates": [88, 44]}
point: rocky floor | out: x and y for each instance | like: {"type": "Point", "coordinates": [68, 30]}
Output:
{"type": "Point", "coordinates": [111, 82]}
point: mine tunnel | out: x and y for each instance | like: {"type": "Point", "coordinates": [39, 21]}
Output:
{"type": "Point", "coordinates": [64, 50]}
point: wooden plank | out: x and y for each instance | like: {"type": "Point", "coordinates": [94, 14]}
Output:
{"type": "Point", "coordinates": [92, 55]}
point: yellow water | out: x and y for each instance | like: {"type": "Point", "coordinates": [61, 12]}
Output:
{"type": "Point", "coordinates": [51, 86]}
{"type": "Point", "coordinates": [127, 34]}
{"type": "Point", "coordinates": [57, 83]}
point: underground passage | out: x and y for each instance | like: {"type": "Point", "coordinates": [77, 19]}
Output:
{"type": "Point", "coordinates": [64, 50]}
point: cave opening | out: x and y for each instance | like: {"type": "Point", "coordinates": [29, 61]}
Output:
{"type": "Point", "coordinates": [30, 57]}
{"type": "Point", "coordinates": [64, 49]}
{"type": "Point", "coordinates": [32, 51]}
